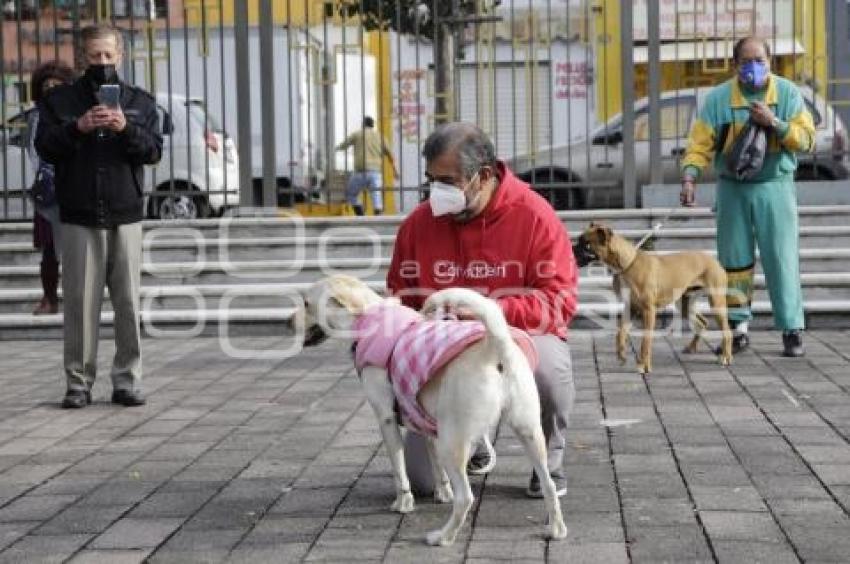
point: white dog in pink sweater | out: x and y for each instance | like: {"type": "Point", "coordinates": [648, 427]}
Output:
{"type": "Point", "coordinates": [464, 399]}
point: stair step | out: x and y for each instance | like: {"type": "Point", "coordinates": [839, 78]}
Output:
{"type": "Point", "coordinates": [279, 321]}
{"type": "Point", "coordinates": [286, 224]}
{"type": "Point", "coordinates": [592, 289]}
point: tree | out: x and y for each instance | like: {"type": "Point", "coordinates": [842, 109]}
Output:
{"type": "Point", "coordinates": [441, 21]}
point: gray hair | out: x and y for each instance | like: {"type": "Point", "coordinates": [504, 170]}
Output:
{"type": "Point", "coordinates": [474, 148]}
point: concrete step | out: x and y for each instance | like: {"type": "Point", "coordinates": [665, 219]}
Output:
{"type": "Point", "coordinates": [279, 321]}
{"type": "Point", "coordinates": [286, 225]}
{"type": "Point", "coordinates": [161, 248]}
{"type": "Point", "coordinates": [191, 249]}
{"type": "Point", "coordinates": [593, 289]}
{"type": "Point", "coordinates": [307, 270]}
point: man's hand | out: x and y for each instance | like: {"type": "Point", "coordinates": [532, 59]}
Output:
{"type": "Point", "coordinates": [90, 120]}
{"type": "Point", "coordinates": [102, 117]}
{"type": "Point", "coordinates": [114, 120]}
{"type": "Point", "coordinates": [760, 113]}
{"type": "Point", "coordinates": [686, 196]}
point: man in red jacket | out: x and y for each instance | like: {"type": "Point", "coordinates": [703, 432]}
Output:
{"type": "Point", "coordinates": [485, 229]}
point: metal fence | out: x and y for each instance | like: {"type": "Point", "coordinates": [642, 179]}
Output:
{"type": "Point", "coordinates": [256, 96]}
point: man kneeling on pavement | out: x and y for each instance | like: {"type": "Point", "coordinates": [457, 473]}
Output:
{"type": "Point", "coordinates": [485, 229]}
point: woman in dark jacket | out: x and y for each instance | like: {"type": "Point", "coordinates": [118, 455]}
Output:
{"type": "Point", "coordinates": [46, 216]}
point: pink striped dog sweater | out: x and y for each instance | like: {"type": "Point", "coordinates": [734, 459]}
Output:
{"type": "Point", "coordinates": [413, 349]}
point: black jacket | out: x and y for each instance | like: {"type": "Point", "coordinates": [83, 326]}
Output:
{"type": "Point", "coordinates": [99, 178]}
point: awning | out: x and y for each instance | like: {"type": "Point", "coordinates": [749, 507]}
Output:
{"type": "Point", "coordinates": [712, 49]}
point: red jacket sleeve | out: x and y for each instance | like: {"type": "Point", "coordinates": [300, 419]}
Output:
{"type": "Point", "coordinates": [550, 301]}
{"type": "Point", "coordinates": [403, 276]}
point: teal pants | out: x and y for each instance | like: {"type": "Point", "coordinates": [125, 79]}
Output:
{"type": "Point", "coordinates": [763, 214]}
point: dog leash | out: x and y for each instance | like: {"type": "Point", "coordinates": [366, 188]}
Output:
{"type": "Point", "coordinates": [657, 227]}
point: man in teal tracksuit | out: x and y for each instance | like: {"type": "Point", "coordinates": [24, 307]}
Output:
{"type": "Point", "coordinates": [762, 210]}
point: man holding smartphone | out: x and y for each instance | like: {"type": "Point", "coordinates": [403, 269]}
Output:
{"type": "Point", "coordinates": [99, 133]}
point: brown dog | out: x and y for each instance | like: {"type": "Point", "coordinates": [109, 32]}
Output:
{"type": "Point", "coordinates": [656, 281]}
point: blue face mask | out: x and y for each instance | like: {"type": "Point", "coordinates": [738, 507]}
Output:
{"type": "Point", "coordinates": [753, 73]}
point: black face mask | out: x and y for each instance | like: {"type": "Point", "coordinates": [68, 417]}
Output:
{"type": "Point", "coordinates": [102, 74]}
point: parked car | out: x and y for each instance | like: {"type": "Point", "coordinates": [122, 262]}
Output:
{"type": "Point", "coordinates": [588, 173]}
{"type": "Point", "coordinates": [197, 176]}
{"type": "Point", "coordinates": [199, 171]}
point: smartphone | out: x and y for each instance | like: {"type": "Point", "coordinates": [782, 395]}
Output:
{"type": "Point", "coordinates": [109, 94]}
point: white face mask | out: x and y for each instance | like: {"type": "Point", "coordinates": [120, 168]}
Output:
{"type": "Point", "coordinates": [447, 198]}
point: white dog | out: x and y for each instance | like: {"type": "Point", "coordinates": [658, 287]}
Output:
{"type": "Point", "coordinates": [465, 398]}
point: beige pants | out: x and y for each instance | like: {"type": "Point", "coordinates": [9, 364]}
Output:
{"type": "Point", "coordinates": [92, 258]}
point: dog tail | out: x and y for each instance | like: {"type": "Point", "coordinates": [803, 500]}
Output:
{"type": "Point", "coordinates": [487, 311]}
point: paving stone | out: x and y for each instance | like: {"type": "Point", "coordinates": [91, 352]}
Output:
{"type": "Point", "coordinates": [820, 544]}
{"type": "Point", "coordinates": [110, 557]}
{"type": "Point", "coordinates": [276, 529]}
{"type": "Point", "coordinates": [172, 504]}
{"type": "Point", "coordinates": [46, 549]}
{"type": "Point", "coordinates": [658, 512]}
{"type": "Point", "coordinates": [82, 519]}
{"type": "Point", "coordinates": [136, 533]}
{"type": "Point", "coordinates": [528, 550]}
{"type": "Point", "coordinates": [673, 544]}
{"type": "Point", "coordinates": [728, 498]}
{"type": "Point", "coordinates": [283, 553]}
{"type": "Point", "coordinates": [750, 551]}
{"type": "Point", "coordinates": [833, 474]}
{"type": "Point", "coordinates": [587, 553]}
{"type": "Point", "coordinates": [741, 525]}
{"type": "Point", "coordinates": [35, 508]}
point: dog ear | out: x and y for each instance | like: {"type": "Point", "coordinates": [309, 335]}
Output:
{"type": "Point", "coordinates": [344, 293]}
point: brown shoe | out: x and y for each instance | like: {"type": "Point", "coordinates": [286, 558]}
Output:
{"type": "Point", "coordinates": [46, 307]}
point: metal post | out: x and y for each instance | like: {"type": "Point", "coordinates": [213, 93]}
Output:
{"type": "Point", "coordinates": [839, 45]}
{"type": "Point", "coordinates": [243, 103]}
{"type": "Point", "coordinates": [267, 104]}
{"type": "Point", "coordinates": [656, 175]}
{"type": "Point", "coordinates": [444, 69]}
{"type": "Point", "coordinates": [628, 91]}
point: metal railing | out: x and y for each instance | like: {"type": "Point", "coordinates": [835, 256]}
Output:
{"type": "Point", "coordinates": [255, 96]}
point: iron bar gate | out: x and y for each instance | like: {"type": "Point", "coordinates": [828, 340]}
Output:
{"type": "Point", "coordinates": [256, 96]}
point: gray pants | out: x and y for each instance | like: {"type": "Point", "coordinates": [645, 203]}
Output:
{"type": "Point", "coordinates": [554, 379]}
{"type": "Point", "coordinates": [92, 258]}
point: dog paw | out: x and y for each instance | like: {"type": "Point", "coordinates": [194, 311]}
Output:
{"type": "Point", "coordinates": [443, 494]}
{"type": "Point", "coordinates": [643, 370]}
{"type": "Point", "coordinates": [558, 530]}
{"type": "Point", "coordinates": [439, 538]}
{"type": "Point", "coordinates": [725, 360]}
{"type": "Point", "coordinates": [403, 503]}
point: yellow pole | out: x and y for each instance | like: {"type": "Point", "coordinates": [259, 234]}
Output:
{"type": "Point", "coordinates": [378, 45]}
{"type": "Point", "coordinates": [609, 100]}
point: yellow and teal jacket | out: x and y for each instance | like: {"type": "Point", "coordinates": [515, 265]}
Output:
{"type": "Point", "coordinates": [723, 116]}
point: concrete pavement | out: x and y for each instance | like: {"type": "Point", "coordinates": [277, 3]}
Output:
{"type": "Point", "coordinates": [276, 460]}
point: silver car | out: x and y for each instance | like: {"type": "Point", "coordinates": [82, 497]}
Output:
{"type": "Point", "coordinates": [588, 173]}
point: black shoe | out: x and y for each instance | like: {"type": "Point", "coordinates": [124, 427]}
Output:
{"type": "Point", "coordinates": [792, 343]}
{"type": "Point", "coordinates": [75, 399]}
{"type": "Point", "coordinates": [127, 398]}
{"type": "Point", "coordinates": [480, 463]}
{"type": "Point", "coordinates": [740, 343]}
{"type": "Point", "coordinates": [534, 485]}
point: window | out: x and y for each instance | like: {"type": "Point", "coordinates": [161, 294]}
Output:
{"type": "Point", "coordinates": [675, 119]}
